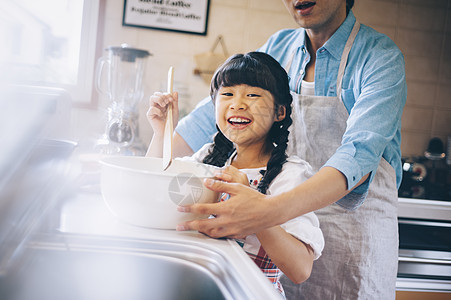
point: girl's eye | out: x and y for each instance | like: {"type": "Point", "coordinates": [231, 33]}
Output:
{"type": "Point", "coordinates": [227, 94]}
{"type": "Point", "coordinates": [253, 95]}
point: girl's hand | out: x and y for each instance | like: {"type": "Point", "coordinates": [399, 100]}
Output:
{"type": "Point", "coordinates": [158, 107]}
{"type": "Point", "coordinates": [232, 174]}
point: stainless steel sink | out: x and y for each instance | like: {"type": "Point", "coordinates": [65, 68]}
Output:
{"type": "Point", "coordinates": [51, 253]}
{"type": "Point", "coordinates": [85, 268]}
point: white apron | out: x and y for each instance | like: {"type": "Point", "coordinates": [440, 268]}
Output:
{"type": "Point", "coordinates": [360, 257]}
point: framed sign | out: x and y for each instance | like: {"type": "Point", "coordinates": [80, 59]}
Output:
{"type": "Point", "coordinates": [188, 16]}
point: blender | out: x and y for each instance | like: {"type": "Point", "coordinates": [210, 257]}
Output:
{"type": "Point", "coordinates": [119, 78]}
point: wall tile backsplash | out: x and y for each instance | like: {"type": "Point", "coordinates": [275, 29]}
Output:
{"type": "Point", "coordinates": [422, 30]}
{"type": "Point", "coordinates": [423, 33]}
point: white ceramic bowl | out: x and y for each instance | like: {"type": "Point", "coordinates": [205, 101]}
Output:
{"type": "Point", "coordinates": [138, 191]}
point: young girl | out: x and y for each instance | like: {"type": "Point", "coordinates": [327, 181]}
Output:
{"type": "Point", "coordinates": [253, 106]}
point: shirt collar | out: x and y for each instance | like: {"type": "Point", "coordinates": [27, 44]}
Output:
{"type": "Point", "coordinates": [301, 39]}
{"type": "Point", "coordinates": [334, 44]}
{"type": "Point", "coordinates": [337, 41]}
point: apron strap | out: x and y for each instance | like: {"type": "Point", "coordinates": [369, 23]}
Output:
{"type": "Point", "coordinates": [344, 56]}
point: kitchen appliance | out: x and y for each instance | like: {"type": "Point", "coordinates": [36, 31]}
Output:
{"type": "Point", "coordinates": [119, 77]}
{"type": "Point", "coordinates": [435, 150]}
{"type": "Point", "coordinates": [424, 221]}
{"type": "Point", "coordinates": [424, 178]}
{"type": "Point", "coordinates": [448, 151]}
{"type": "Point", "coordinates": [424, 245]}
{"type": "Point", "coordinates": [413, 183]}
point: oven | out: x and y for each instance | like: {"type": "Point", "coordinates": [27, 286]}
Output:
{"type": "Point", "coordinates": [424, 245]}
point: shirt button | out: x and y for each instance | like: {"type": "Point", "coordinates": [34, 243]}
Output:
{"type": "Point", "coordinates": [322, 50]}
{"type": "Point", "coordinates": [302, 72]}
{"type": "Point", "coordinates": [303, 50]}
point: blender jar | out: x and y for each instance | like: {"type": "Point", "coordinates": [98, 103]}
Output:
{"type": "Point", "coordinates": [119, 77]}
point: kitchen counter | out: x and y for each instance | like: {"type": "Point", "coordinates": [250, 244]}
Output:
{"type": "Point", "coordinates": [87, 215]}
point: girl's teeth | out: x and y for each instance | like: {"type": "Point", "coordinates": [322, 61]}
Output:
{"type": "Point", "coordinates": [238, 120]}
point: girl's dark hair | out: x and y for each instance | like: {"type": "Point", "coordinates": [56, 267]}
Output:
{"type": "Point", "coordinates": [256, 69]}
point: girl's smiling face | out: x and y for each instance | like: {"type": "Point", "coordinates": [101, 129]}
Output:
{"type": "Point", "coordinates": [245, 114]}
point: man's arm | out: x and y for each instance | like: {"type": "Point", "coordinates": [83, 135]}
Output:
{"type": "Point", "coordinates": [248, 211]}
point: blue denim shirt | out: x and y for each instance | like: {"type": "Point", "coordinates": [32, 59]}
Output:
{"type": "Point", "coordinates": [373, 91]}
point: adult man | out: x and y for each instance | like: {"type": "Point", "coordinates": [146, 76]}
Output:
{"type": "Point", "coordinates": [348, 84]}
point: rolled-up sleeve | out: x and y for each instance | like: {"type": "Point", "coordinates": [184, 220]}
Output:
{"type": "Point", "coordinates": [374, 121]}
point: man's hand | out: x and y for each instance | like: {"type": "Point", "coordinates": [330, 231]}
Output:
{"type": "Point", "coordinates": [246, 212]}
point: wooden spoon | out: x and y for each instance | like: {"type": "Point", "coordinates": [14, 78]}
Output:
{"type": "Point", "coordinates": [168, 128]}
